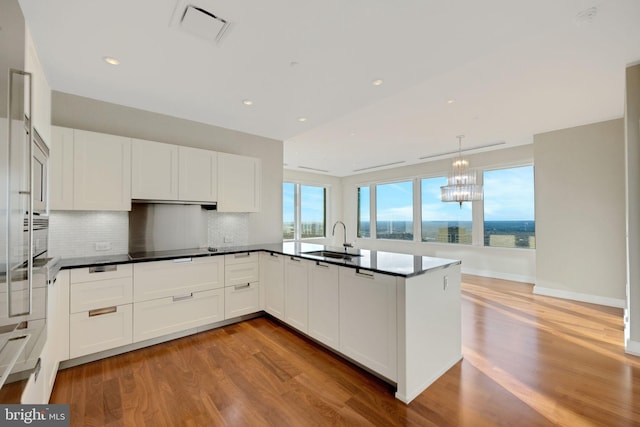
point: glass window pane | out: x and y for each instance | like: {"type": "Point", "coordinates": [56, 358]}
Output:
{"type": "Point", "coordinates": [394, 211]}
{"type": "Point", "coordinates": [364, 211]}
{"type": "Point", "coordinates": [509, 214]}
{"type": "Point", "coordinates": [443, 221]}
{"type": "Point", "coordinates": [312, 211]}
{"type": "Point", "coordinates": [288, 210]}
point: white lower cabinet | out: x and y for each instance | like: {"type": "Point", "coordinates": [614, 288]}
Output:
{"type": "Point", "coordinates": [324, 303]}
{"type": "Point", "coordinates": [177, 277]}
{"type": "Point", "coordinates": [242, 284]}
{"type": "Point", "coordinates": [162, 316]}
{"type": "Point", "coordinates": [241, 299]}
{"type": "Point", "coordinates": [272, 280]}
{"type": "Point", "coordinates": [100, 310]}
{"type": "Point", "coordinates": [296, 293]}
{"type": "Point", "coordinates": [100, 329]}
{"type": "Point", "coordinates": [368, 324]}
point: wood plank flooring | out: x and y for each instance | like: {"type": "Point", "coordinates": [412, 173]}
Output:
{"type": "Point", "coordinates": [528, 361]}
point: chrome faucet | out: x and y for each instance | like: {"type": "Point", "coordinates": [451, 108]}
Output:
{"type": "Point", "coordinates": [345, 244]}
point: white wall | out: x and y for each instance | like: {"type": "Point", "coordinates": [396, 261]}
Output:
{"type": "Point", "coordinates": [89, 114]}
{"type": "Point", "coordinates": [580, 222]}
{"type": "Point", "coordinates": [513, 264]}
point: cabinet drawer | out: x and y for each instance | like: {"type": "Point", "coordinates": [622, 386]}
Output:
{"type": "Point", "coordinates": [100, 272]}
{"type": "Point", "coordinates": [241, 274]}
{"type": "Point", "coordinates": [103, 293]}
{"type": "Point", "coordinates": [174, 314]}
{"type": "Point", "coordinates": [242, 258]}
{"type": "Point", "coordinates": [98, 330]}
{"type": "Point", "coordinates": [241, 299]}
{"type": "Point", "coordinates": [160, 279]}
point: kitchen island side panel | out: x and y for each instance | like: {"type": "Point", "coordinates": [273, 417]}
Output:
{"type": "Point", "coordinates": [429, 329]}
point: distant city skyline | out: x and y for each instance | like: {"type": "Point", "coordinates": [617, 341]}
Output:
{"type": "Point", "coordinates": [508, 195]}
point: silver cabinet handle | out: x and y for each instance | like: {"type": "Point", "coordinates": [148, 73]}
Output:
{"type": "Point", "coordinates": [274, 254]}
{"type": "Point", "coordinates": [103, 268]}
{"type": "Point", "coordinates": [364, 275]}
{"type": "Point", "coordinates": [102, 311]}
{"type": "Point", "coordinates": [245, 286]}
{"type": "Point", "coordinates": [319, 264]}
{"type": "Point", "coordinates": [181, 260]}
{"type": "Point", "coordinates": [294, 259]}
{"type": "Point", "coordinates": [248, 254]}
{"type": "Point", "coordinates": [183, 297]}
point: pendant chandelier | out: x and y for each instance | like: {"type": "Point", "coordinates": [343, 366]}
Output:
{"type": "Point", "coordinates": [462, 181]}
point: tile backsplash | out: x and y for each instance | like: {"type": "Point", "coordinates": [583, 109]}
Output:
{"type": "Point", "coordinates": [81, 233]}
{"type": "Point", "coordinates": [78, 233]}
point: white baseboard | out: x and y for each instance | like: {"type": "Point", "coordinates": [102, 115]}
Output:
{"type": "Point", "coordinates": [577, 296]}
{"type": "Point", "coordinates": [498, 275]}
{"type": "Point", "coordinates": [632, 347]}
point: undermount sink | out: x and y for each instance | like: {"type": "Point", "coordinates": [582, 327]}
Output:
{"type": "Point", "coordinates": [332, 254]}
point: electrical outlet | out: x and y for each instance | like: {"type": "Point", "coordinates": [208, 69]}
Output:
{"type": "Point", "coordinates": [103, 246]}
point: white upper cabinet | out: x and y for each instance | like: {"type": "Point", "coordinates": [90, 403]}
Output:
{"type": "Point", "coordinates": [238, 183]}
{"type": "Point", "coordinates": [154, 170]}
{"type": "Point", "coordinates": [61, 169]}
{"type": "Point", "coordinates": [168, 172]}
{"type": "Point", "coordinates": [89, 171]}
{"type": "Point", "coordinates": [101, 171]}
{"type": "Point", "coordinates": [198, 175]}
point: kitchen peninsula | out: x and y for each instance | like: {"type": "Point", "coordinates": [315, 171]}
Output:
{"type": "Point", "coordinates": [396, 315]}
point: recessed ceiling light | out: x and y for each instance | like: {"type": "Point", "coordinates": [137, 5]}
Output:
{"type": "Point", "coordinates": [111, 60]}
{"type": "Point", "coordinates": [451, 101]}
{"type": "Point", "coordinates": [302, 119]}
{"type": "Point", "coordinates": [247, 102]}
{"type": "Point", "coordinates": [377, 82]}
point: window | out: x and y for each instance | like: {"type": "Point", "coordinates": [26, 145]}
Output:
{"type": "Point", "coordinates": [303, 211]}
{"type": "Point", "coordinates": [394, 211]}
{"type": "Point", "coordinates": [312, 211]}
{"type": "Point", "coordinates": [364, 211]}
{"type": "Point", "coordinates": [443, 222]}
{"type": "Point", "coordinates": [288, 210]}
{"type": "Point", "coordinates": [509, 215]}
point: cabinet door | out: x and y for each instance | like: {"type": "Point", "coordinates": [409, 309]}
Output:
{"type": "Point", "coordinates": [241, 268]}
{"type": "Point", "coordinates": [154, 170]}
{"type": "Point", "coordinates": [238, 183]}
{"type": "Point", "coordinates": [241, 299]}
{"type": "Point", "coordinates": [61, 169]}
{"type": "Point", "coordinates": [164, 316]}
{"type": "Point", "coordinates": [296, 293]}
{"type": "Point", "coordinates": [272, 280]}
{"type": "Point", "coordinates": [368, 324]}
{"type": "Point", "coordinates": [324, 308]}
{"type": "Point", "coordinates": [98, 330]}
{"type": "Point", "coordinates": [198, 175]}
{"type": "Point", "coordinates": [102, 171]}
{"type": "Point", "coordinates": [176, 278]}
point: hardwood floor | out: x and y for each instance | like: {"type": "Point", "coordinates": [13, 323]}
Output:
{"type": "Point", "coordinates": [528, 361]}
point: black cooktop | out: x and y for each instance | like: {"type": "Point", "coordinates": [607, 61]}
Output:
{"type": "Point", "coordinates": [171, 253]}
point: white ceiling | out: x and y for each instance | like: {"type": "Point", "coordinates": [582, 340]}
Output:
{"type": "Point", "coordinates": [514, 69]}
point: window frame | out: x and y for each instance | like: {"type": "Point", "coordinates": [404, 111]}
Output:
{"type": "Point", "coordinates": [477, 207]}
{"type": "Point", "coordinates": [482, 222]}
{"type": "Point", "coordinates": [297, 201]}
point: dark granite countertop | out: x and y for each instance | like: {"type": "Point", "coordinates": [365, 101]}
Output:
{"type": "Point", "coordinates": [392, 263]}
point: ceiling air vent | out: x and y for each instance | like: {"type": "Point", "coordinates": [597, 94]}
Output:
{"type": "Point", "coordinates": [200, 23]}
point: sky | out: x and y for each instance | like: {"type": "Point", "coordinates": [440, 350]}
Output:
{"type": "Point", "coordinates": [508, 195]}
